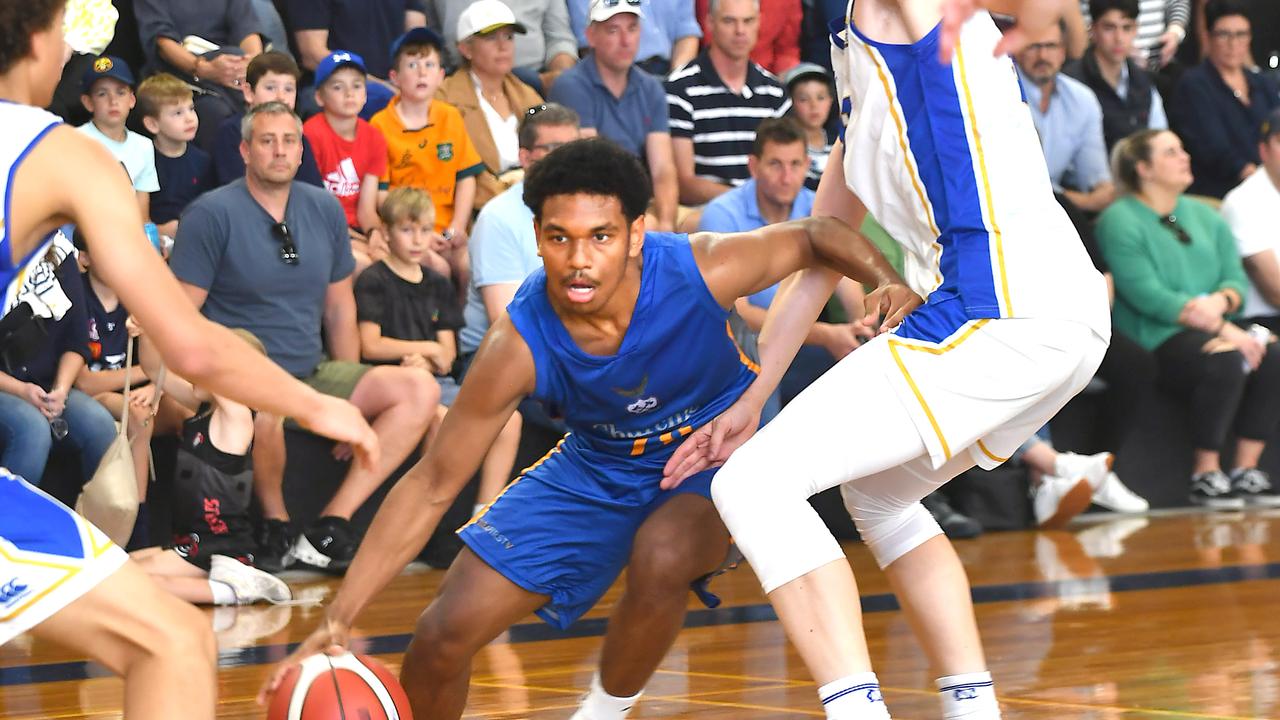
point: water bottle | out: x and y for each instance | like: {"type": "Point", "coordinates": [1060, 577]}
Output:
{"type": "Point", "coordinates": [1261, 335]}
{"type": "Point", "coordinates": [58, 427]}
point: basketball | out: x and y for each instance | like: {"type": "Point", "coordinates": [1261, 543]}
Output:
{"type": "Point", "coordinates": [326, 687]}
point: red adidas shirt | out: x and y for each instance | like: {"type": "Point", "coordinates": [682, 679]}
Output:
{"type": "Point", "coordinates": [343, 163]}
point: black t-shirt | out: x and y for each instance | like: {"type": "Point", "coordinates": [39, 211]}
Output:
{"type": "Point", "coordinates": [182, 179]}
{"type": "Point", "coordinates": [406, 310]}
{"type": "Point", "coordinates": [108, 337]}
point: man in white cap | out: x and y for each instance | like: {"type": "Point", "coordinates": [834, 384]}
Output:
{"type": "Point", "coordinates": [619, 101]}
{"type": "Point", "coordinates": [545, 42]}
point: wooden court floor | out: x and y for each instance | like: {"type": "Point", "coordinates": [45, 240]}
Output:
{"type": "Point", "coordinates": [1171, 616]}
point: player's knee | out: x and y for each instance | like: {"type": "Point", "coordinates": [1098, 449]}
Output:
{"type": "Point", "coordinates": [441, 646]}
{"type": "Point", "coordinates": [661, 569]}
{"type": "Point", "coordinates": [888, 532]}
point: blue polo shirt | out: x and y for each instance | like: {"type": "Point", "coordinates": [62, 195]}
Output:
{"type": "Point", "coordinates": [739, 211]}
{"type": "Point", "coordinates": [627, 120]}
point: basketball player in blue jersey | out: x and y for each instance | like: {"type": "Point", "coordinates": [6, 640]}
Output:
{"type": "Point", "coordinates": [626, 334]}
{"type": "Point", "coordinates": [60, 577]}
{"type": "Point", "coordinates": [940, 147]}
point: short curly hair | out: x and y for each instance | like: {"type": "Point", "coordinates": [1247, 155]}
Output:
{"type": "Point", "coordinates": [593, 166]}
{"type": "Point", "coordinates": [18, 22]}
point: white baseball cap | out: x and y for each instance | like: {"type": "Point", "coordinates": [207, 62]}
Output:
{"type": "Point", "coordinates": [484, 16]}
{"type": "Point", "coordinates": [602, 10]}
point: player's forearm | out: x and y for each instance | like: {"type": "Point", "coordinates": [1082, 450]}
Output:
{"type": "Point", "coordinates": [787, 326]}
{"type": "Point", "coordinates": [411, 512]}
{"type": "Point", "coordinates": [839, 247]}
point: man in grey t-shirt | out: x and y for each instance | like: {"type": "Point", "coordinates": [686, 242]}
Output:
{"type": "Point", "coordinates": [272, 256]}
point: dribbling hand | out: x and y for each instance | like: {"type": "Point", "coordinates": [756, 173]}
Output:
{"type": "Point", "coordinates": [1034, 17]}
{"type": "Point", "coordinates": [711, 445]}
{"type": "Point", "coordinates": [340, 420]}
{"type": "Point", "coordinates": [330, 637]}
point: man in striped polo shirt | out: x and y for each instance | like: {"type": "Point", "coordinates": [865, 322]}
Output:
{"type": "Point", "coordinates": [716, 102]}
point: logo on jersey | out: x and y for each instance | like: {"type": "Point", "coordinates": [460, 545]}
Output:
{"type": "Point", "coordinates": [444, 152]}
{"type": "Point", "coordinates": [642, 404]}
{"type": "Point", "coordinates": [344, 181]}
{"type": "Point", "coordinates": [102, 64]}
{"type": "Point", "coordinates": [966, 694]}
{"type": "Point", "coordinates": [13, 591]}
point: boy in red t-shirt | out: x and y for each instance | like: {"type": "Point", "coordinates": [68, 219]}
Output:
{"type": "Point", "coordinates": [352, 154]}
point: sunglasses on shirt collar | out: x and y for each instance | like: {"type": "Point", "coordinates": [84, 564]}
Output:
{"type": "Point", "coordinates": [288, 251]}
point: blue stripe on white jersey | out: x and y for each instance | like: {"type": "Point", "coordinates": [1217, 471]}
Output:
{"type": "Point", "coordinates": [25, 127]}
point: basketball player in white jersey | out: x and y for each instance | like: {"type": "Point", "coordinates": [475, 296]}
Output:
{"type": "Point", "coordinates": [60, 577]}
{"type": "Point", "coordinates": [940, 147]}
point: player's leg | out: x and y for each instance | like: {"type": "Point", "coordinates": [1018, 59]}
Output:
{"type": "Point", "coordinates": [680, 542]}
{"type": "Point", "coordinates": [162, 646]}
{"type": "Point", "coordinates": [495, 473]}
{"type": "Point", "coordinates": [475, 604]}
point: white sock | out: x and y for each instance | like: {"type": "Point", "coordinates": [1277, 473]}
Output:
{"type": "Point", "coordinates": [856, 697]}
{"type": "Point", "coordinates": [600, 705]}
{"type": "Point", "coordinates": [222, 593]}
{"type": "Point", "coordinates": [969, 696]}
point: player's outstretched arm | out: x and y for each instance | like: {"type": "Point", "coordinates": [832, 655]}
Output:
{"type": "Point", "coordinates": [1032, 16]}
{"type": "Point", "coordinates": [70, 178]}
{"type": "Point", "coordinates": [501, 374]}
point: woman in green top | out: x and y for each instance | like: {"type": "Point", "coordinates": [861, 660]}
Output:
{"type": "Point", "coordinates": [1178, 278]}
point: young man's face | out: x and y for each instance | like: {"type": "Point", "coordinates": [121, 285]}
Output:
{"type": "Point", "coordinates": [586, 245]}
{"type": "Point", "coordinates": [418, 75]}
{"type": "Point", "coordinates": [110, 102]}
{"type": "Point", "coordinates": [811, 103]}
{"type": "Point", "coordinates": [409, 238]}
{"type": "Point", "coordinates": [175, 121]}
{"type": "Point", "coordinates": [1113, 35]}
{"type": "Point", "coordinates": [780, 171]}
{"type": "Point", "coordinates": [343, 93]}
{"type": "Point", "coordinates": [277, 87]}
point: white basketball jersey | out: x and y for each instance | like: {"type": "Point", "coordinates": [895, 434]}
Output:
{"type": "Point", "coordinates": [946, 157]}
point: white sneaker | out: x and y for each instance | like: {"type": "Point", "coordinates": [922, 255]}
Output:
{"type": "Point", "coordinates": [249, 584]}
{"type": "Point", "coordinates": [1094, 468]}
{"type": "Point", "coordinates": [1106, 539]}
{"type": "Point", "coordinates": [1056, 500]}
{"type": "Point", "coordinates": [1114, 495]}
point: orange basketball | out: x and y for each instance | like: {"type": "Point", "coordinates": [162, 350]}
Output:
{"type": "Point", "coordinates": [340, 687]}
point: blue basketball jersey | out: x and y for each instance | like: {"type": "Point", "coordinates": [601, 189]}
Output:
{"type": "Point", "coordinates": [677, 367]}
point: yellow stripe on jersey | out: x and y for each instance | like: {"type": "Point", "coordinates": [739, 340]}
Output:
{"type": "Point", "coordinates": [742, 356]}
{"type": "Point", "coordinates": [906, 158]}
{"type": "Point", "coordinates": [989, 206]}
{"type": "Point", "coordinates": [895, 343]}
{"type": "Point", "coordinates": [637, 447]}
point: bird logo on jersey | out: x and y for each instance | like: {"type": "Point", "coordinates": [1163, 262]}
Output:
{"type": "Point", "coordinates": [13, 591]}
{"type": "Point", "coordinates": [642, 404]}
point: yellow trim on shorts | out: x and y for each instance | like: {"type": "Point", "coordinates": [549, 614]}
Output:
{"type": "Point", "coordinates": [989, 209]}
{"type": "Point", "coordinates": [72, 571]}
{"type": "Point", "coordinates": [895, 343]}
{"type": "Point", "coordinates": [986, 451]}
{"type": "Point", "coordinates": [512, 484]}
{"type": "Point", "coordinates": [906, 155]}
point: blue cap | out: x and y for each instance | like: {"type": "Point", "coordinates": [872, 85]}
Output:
{"type": "Point", "coordinates": [106, 66]}
{"type": "Point", "coordinates": [338, 59]}
{"type": "Point", "coordinates": [417, 36]}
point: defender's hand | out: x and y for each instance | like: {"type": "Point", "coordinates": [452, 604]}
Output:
{"type": "Point", "coordinates": [890, 303]}
{"type": "Point", "coordinates": [1034, 17]}
{"type": "Point", "coordinates": [712, 444]}
{"type": "Point", "coordinates": [340, 420]}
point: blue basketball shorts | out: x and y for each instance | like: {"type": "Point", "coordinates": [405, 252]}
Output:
{"type": "Point", "coordinates": [49, 556]}
{"type": "Point", "coordinates": [558, 531]}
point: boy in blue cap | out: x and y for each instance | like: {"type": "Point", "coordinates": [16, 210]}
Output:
{"type": "Point", "coordinates": [106, 90]}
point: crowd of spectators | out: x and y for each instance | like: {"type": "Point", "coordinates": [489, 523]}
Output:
{"type": "Point", "coordinates": [342, 179]}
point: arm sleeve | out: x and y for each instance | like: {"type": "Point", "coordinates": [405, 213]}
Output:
{"type": "Point", "coordinates": [657, 104]}
{"type": "Point", "coordinates": [199, 246]}
{"type": "Point", "coordinates": [308, 14]}
{"type": "Point", "coordinates": [686, 21]}
{"type": "Point", "coordinates": [1233, 275]}
{"type": "Point", "coordinates": [495, 251]}
{"type": "Point", "coordinates": [556, 30]}
{"type": "Point", "coordinates": [369, 298]}
{"type": "Point", "coordinates": [1177, 12]}
{"type": "Point", "coordinates": [680, 112]}
{"type": "Point", "coordinates": [578, 21]}
{"type": "Point", "coordinates": [148, 181]}
{"type": "Point", "coordinates": [154, 22]}
{"type": "Point", "coordinates": [376, 153]}
{"type": "Point", "coordinates": [243, 20]}
{"type": "Point", "coordinates": [1091, 159]}
{"type": "Point", "coordinates": [1252, 230]}
{"type": "Point", "coordinates": [469, 161]}
{"type": "Point", "coordinates": [1157, 120]}
{"type": "Point", "coordinates": [1133, 270]}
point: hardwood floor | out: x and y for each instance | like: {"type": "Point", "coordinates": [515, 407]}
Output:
{"type": "Point", "coordinates": [1173, 616]}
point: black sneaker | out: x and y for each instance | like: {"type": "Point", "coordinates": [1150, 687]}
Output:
{"type": "Point", "coordinates": [328, 545]}
{"type": "Point", "coordinates": [1213, 490]}
{"type": "Point", "coordinates": [274, 542]}
{"type": "Point", "coordinates": [956, 525]}
{"type": "Point", "coordinates": [1254, 486]}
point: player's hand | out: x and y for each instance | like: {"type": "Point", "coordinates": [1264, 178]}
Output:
{"type": "Point", "coordinates": [711, 445]}
{"type": "Point", "coordinates": [887, 305]}
{"type": "Point", "coordinates": [330, 637]}
{"type": "Point", "coordinates": [1033, 18]}
{"type": "Point", "coordinates": [340, 420]}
